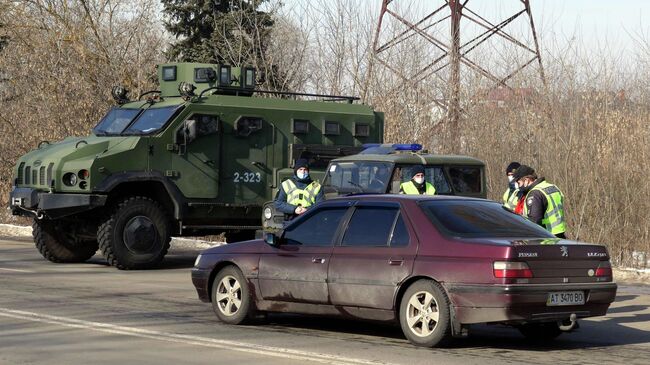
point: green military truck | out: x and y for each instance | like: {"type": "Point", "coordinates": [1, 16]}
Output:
{"type": "Point", "coordinates": [199, 156]}
{"type": "Point", "coordinates": [382, 168]}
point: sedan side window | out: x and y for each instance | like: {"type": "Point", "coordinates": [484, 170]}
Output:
{"type": "Point", "coordinates": [317, 230]}
{"type": "Point", "coordinates": [370, 226]}
{"type": "Point", "coordinates": [400, 237]}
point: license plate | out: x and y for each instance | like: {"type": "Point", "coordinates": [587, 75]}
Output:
{"type": "Point", "coordinates": [565, 298]}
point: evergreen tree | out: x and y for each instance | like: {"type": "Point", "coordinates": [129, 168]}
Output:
{"type": "Point", "coordinates": [232, 32]}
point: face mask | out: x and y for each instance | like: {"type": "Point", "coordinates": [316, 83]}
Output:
{"type": "Point", "coordinates": [302, 175]}
{"type": "Point", "coordinates": [418, 180]}
{"type": "Point", "coordinates": [510, 178]}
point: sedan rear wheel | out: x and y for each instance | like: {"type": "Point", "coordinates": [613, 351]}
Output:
{"type": "Point", "coordinates": [424, 314]}
{"type": "Point", "coordinates": [231, 300]}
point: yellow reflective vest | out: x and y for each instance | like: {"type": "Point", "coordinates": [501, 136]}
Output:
{"type": "Point", "coordinates": [510, 200]}
{"type": "Point", "coordinates": [410, 189]}
{"type": "Point", "coordinates": [554, 220]}
{"type": "Point", "coordinates": [304, 197]}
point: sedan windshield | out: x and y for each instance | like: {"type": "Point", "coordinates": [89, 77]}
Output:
{"type": "Point", "coordinates": [480, 219]}
{"type": "Point", "coordinates": [359, 177]}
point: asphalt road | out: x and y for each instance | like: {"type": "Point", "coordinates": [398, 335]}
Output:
{"type": "Point", "coordinates": [92, 313]}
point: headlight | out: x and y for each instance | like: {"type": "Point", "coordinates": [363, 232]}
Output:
{"type": "Point", "coordinates": [196, 262]}
{"type": "Point", "coordinates": [70, 179]}
{"type": "Point", "coordinates": [268, 213]}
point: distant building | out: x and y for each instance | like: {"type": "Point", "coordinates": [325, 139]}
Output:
{"type": "Point", "coordinates": [505, 97]}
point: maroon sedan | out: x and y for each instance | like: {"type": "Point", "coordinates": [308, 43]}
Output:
{"type": "Point", "coordinates": [434, 264]}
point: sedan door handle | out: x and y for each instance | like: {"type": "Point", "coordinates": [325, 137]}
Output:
{"type": "Point", "coordinates": [317, 260]}
{"type": "Point", "coordinates": [395, 262]}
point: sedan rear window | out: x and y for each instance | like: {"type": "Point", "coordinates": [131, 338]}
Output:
{"type": "Point", "coordinates": [479, 219]}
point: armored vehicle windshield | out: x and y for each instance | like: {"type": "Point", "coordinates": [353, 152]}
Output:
{"type": "Point", "coordinates": [126, 121]}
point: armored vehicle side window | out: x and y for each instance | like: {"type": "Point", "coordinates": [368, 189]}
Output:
{"type": "Point", "coordinates": [331, 128]}
{"type": "Point", "coordinates": [205, 124]}
{"type": "Point", "coordinates": [244, 126]}
{"type": "Point", "coordinates": [317, 229]}
{"type": "Point", "coordinates": [151, 120]}
{"type": "Point", "coordinates": [115, 121]}
{"type": "Point", "coordinates": [465, 179]}
{"type": "Point", "coordinates": [433, 174]}
{"type": "Point", "coordinates": [359, 177]}
{"type": "Point", "coordinates": [300, 126]}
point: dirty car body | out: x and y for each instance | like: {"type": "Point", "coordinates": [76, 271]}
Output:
{"type": "Point", "coordinates": [435, 264]}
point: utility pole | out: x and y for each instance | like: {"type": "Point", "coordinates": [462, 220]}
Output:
{"type": "Point", "coordinates": [451, 53]}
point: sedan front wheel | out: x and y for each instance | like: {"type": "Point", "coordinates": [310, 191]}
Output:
{"type": "Point", "coordinates": [231, 299]}
{"type": "Point", "coordinates": [424, 314]}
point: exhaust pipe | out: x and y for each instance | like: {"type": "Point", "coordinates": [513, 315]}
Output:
{"type": "Point", "coordinates": [569, 324]}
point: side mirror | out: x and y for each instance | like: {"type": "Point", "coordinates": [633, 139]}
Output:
{"type": "Point", "coordinates": [271, 239]}
{"type": "Point", "coordinates": [189, 130]}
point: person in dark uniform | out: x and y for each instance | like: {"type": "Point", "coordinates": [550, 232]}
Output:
{"type": "Point", "coordinates": [544, 202]}
{"type": "Point", "coordinates": [417, 184]}
{"type": "Point", "coordinates": [299, 193]}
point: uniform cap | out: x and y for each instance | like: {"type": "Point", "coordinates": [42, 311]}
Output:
{"type": "Point", "coordinates": [523, 171]}
{"type": "Point", "coordinates": [301, 162]}
{"type": "Point", "coordinates": [417, 169]}
{"type": "Point", "coordinates": [512, 167]}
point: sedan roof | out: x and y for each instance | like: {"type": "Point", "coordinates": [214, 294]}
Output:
{"type": "Point", "coordinates": [400, 197]}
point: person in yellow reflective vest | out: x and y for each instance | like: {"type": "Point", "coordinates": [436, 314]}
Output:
{"type": "Point", "coordinates": [544, 202]}
{"type": "Point", "coordinates": [299, 193]}
{"type": "Point", "coordinates": [511, 196]}
{"type": "Point", "coordinates": [417, 184]}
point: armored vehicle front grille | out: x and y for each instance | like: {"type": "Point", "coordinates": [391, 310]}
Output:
{"type": "Point", "coordinates": [49, 172]}
{"type": "Point", "coordinates": [41, 176]}
{"type": "Point", "coordinates": [19, 178]}
{"type": "Point", "coordinates": [28, 174]}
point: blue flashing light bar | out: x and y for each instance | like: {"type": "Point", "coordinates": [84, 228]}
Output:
{"type": "Point", "coordinates": [407, 147]}
{"type": "Point", "coordinates": [386, 148]}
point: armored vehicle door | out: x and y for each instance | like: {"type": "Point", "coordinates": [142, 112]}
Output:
{"type": "Point", "coordinates": [246, 171]}
{"type": "Point", "coordinates": [195, 166]}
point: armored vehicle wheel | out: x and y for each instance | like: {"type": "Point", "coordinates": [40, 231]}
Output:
{"type": "Point", "coordinates": [538, 332]}
{"type": "Point", "coordinates": [231, 300]}
{"type": "Point", "coordinates": [135, 235]}
{"type": "Point", "coordinates": [424, 314]}
{"type": "Point", "coordinates": [57, 244]}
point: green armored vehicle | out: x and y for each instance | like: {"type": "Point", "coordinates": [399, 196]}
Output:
{"type": "Point", "coordinates": [382, 168]}
{"type": "Point", "coordinates": [199, 156]}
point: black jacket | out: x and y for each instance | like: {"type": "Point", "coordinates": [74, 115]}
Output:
{"type": "Point", "coordinates": [536, 203]}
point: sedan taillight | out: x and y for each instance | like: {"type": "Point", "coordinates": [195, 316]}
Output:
{"type": "Point", "coordinates": [604, 269]}
{"type": "Point", "coordinates": [510, 269]}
